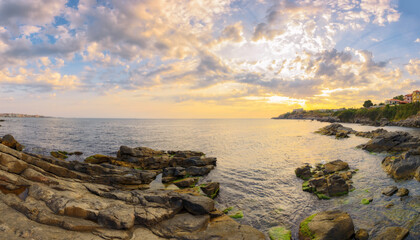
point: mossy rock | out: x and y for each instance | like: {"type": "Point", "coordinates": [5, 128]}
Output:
{"type": "Point", "coordinates": [306, 187]}
{"type": "Point", "coordinates": [365, 201]}
{"type": "Point", "coordinates": [304, 228]}
{"type": "Point", "coordinates": [59, 154]}
{"type": "Point", "coordinates": [279, 233]}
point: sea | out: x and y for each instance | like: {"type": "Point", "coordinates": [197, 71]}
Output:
{"type": "Point", "coordinates": [255, 167]}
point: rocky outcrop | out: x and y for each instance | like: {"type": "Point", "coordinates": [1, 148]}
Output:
{"type": "Point", "coordinates": [79, 200]}
{"type": "Point", "coordinates": [327, 180]}
{"type": "Point", "coordinates": [403, 166]}
{"type": "Point", "coordinates": [337, 130]}
{"type": "Point", "coordinates": [391, 142]}
{"type": "Point", "coordinates": [9, 140]}
{"type": "Point", "coordinates": [327, 225]}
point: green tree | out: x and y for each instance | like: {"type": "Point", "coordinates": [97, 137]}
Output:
{"type": "Point", "coordinates": [400, 97]}
{"type": "Point", "coordinates": [367, 104]}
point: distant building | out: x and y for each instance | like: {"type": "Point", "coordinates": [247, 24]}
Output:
{"type": "Point", "coordinates": [298, 110]}
{"type": "Point", "coordinates": [393, 101]}
{"type": "Point", "coordinates": [408, 98]}
{"type": "Point", "coordinates": [416, 96]}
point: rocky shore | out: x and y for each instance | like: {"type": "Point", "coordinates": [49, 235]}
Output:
{"type": "Point", "coordinates": [403, 161]}
{"type": "Point", "coordinates": [105, 197]}
{"type": "Point", "coordinates": [413, 121]}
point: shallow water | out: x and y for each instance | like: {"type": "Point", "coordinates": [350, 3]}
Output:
{"type": "Point", "coordinates": [256, 162]}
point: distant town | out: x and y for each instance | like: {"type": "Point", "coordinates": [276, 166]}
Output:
{"type": "Point", "coordinates": [397, 100]}
{"type": "Point", "coordinates": [19, 115]}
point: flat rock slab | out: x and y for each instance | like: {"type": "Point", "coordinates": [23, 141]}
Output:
{"type": "Point", "coordinates": [391, 233]}
{"type": "Point", "coordinates": [389, 191]}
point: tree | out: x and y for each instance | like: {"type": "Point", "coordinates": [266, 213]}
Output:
{"type": "Point", "coordinates": [367, 104]}
{"type": "Point", "coordinates": [400, 97]}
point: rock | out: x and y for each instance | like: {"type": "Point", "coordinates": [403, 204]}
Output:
{"type": "Point", "coordinates": [197, 205]}
{"type": "Point", "coordinates": [327, 225]}
{"type": "Point", "coordinates": [336, 165]}
{"type": "Point", "coordinates": [186, 182]}
{"type": "Point", "coordinates": [403, 166]}
{"type": "Point", "coordinates": [391, 233]}
{"type": "Point", "coordinates": [12, 164]}
{"type": "Point", "coordinates": [362, 234]}
{"type": "Point", "coordinates": [372, 134]}
{"type": "Point", "coordinates": [98, 159]}
{"type": "Point", "coordinates": [304, 172]}
{"type": "Point", "coordinates": [10, 141]}
{"type": "Point", "coordinates": [199, 171]}
{"type": "Point", "coordinates": [117, 217]}
{"type": "Point", "coordinates": [337, 186]}
{"type": "Point", "coordinates": [181, 224]}
{"type": "Point", "coordinates": [389, 191]}
{"type": "Point", "coordinates": [211, 189]}
{"type": "Point", "coordinates": [279, 233]}
{"type": "Point", "coordinates": [402, 192]}
{"type": "Point", "coordinates": [389, 205]}
{"type": "Point", "coordinates": [391, 141]}
{"type": "Point", "coordinates": [59, 154]}
{"type": "Point", "coordinates": [335, 129]}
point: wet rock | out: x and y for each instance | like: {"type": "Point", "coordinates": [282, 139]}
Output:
{"type": "Point", "coordinates": [391, 233]}
{"type": "Point", "coordinates": [372, 134]}
{"type": "Point", "coordinates": [59, 154]}
{"type": "Point", "coordinates": [10, 141]}
{"type": "Point", "coordinates": [361, 234]}
{"type": "Point", "coordinates": [389, 191]}
{"type": "Point", "coordinates": [402, 192]}
{"type": "Point", "coordinates": [211, 189]}
{"type": "Point", "coordinates": [199, 171]}
{"type": "Point", "coordinates": [392, 141]}
{"type": "Point", "coordinates": [336, 165]}
{"type": "Point", "coordinates": [337, 186]}
{"type": "Point", "coordinates": [403, 166]}
{"type": "Point", "coordinates": [186, 182]}
{"type": "Point", "coordinates": [327, 225]}
{"type": "Point", "coordinates": [98, 159]}
{"type": "Point", "coordinates": [336, 129]}
{"type": "Point", "coordinates": [304, 172]}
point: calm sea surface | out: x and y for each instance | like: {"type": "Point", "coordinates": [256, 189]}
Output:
{"type": "Point", "coordinates": [256, 162]}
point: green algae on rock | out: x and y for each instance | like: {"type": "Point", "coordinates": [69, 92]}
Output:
{"type": "Point", "coordinates": [279, 233]}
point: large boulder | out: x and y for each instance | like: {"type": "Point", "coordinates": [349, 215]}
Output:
{"type": "Point", "coordinates": [326, 226]}
{"type": "Point", "coordinates": [10, 141]}
{"type": "Point", "coordinates": [403, 166]}
{"type": "Point", "coordinates": [336, 129]}
{"type": "Point", "coordinates": [336, 165]}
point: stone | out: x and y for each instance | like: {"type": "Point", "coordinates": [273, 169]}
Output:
{"type": "Point", "coordinates": [199, 171]}
{"type": "Point", "coordinates": [210, 189]}
{"type": "Point", "coordinates": [337, 186]}
{"type": "Point", "coordinates": [12, 164]}
{"type": "Point", "coordinates": [117, 217]}
{"type": "Point", "coordinates": [335, 129]}
{"type": "Point", "coordinates": [197, 205]}
{"type": "Point", "coordinates": [11, 142]}
{"type": "Point", "coordinates": [59, 154]}
{"type": "Point", "coordinates": [327, 225]}
{"type": "Point", "coordinates": [362, 234]}
{"type": "Point", "coordinates": [181, 224]}
{"type": "Point", "coordinates": [402, 192]}
{"type": "Point", "coordinates": [98, 159]}
{"type": "Point", "coordinates": [389, 191]}
{"type": "Point", "coordinates": [391, 233]}
{"type": "Point", "coordinates": [403, 166]}
{"type": "Point", "coordinates": [304, 172]}
{"type": "Point", "coordinates": [336, 165]}
{"type": "Point", "coordinates": [186, 182]}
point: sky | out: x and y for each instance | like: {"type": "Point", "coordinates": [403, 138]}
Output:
{"type": "Point", "coordinates": [204, 58]}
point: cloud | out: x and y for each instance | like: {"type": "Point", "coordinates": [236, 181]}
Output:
{"type": "Point", "coordinates": [417, 40]}
{"type": "Point", "coordinates": [413, 67]}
